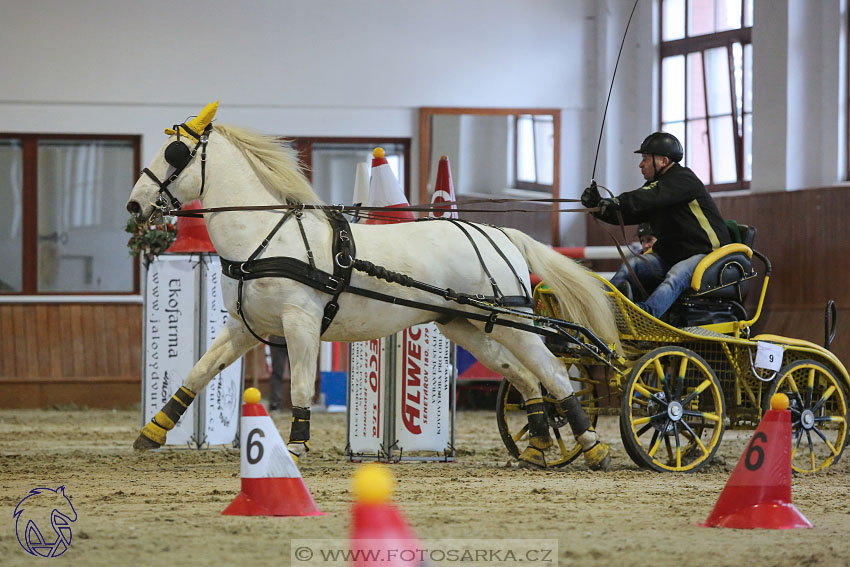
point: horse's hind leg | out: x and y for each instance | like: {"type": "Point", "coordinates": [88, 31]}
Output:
{"type": "Point", "coordinates": [231, 343]}
{"type": "Point", "coordinates": [499, 359]}
{"type": "Point", "coordinates": [526, 351]}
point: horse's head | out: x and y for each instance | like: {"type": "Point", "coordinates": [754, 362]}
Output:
{"type": "Point", "coordinates": [174, 176]}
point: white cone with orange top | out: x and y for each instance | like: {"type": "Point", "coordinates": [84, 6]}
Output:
{"type": "Point", "coordinates": [758, 494]}
{"type": "Point", "coordinates": [271, 482]}
{"type": "Point", "coordinates": [444, 191]}
{"type": "Point", "coordinates": [361, 188]}
{"type": "Point", "coordinates": [378, 529]}
{"type": "Point", "coordinates": [384, 191]}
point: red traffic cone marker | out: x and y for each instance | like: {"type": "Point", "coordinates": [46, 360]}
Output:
{"type": "Point", "coordinates": [192, 235]}
{"type": "Point", "coordinates": [444, 191]}
{"type": "Point", "coordinates": [384, 191]}
{"type": "Point", "coordinates": [758, 494]}
{"type": "Point", "coordinates": [379, 531]}
{"type": "Point", "coordinates": [271, 482]}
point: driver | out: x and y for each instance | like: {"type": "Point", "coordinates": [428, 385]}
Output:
{"type": "Point", "coordinates": [684, 218]}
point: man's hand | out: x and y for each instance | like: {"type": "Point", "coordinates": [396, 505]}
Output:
{"type": "Point", "coordinates": [590, 197]}
{"type": "Point", "coordinates": [608, 206]}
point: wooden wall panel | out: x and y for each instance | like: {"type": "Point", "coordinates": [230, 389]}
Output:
{"type": "Point", "coordinates": [806, 236]}
{"type": "Point", "coordinates": [87, 354]}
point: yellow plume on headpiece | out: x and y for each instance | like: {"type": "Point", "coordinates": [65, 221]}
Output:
{"type": "Point", "coordinates": [197, 124]}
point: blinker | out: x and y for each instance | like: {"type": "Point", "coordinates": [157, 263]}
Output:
{"type": "Point", "coordinates": [177, 155]}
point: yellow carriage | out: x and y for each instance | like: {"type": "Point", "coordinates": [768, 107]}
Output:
{"type": "Point", "coordinates": [680, 387]}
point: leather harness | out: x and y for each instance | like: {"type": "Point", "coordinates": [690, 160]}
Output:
{"type": "Point", "coordinates": [344, 254]}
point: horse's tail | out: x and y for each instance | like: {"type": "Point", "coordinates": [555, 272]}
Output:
{"type": "Point", "coordinates": [580, 296]}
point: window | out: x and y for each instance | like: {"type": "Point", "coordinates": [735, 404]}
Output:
{"type": "Point", "coordinates": [62, 213]}
{"type": "Point", "coordinates": [706, 86]}
{"type": "Point", "coordinates": [534, 151]}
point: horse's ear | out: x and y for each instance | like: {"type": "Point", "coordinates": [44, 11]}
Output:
{"type": "Point", "coordinates": [199, 123]}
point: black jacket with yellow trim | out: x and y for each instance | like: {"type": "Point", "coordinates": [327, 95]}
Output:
{"type": "Point", "coordinates": [683, 215]}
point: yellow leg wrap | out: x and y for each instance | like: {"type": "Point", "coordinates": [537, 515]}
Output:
{"type": "Point", "coordinates": [598, 457]}
{"type": "Point", "coordinates": [154, 432]}
{"type": "Point", "coordinates": [533, 456]}
{"type": "Point", "coordinates": [163, 421]}
{"type": "Point", "coordinates": [540, 442]}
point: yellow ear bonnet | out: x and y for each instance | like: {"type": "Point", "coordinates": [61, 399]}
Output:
{"type": "Point", "coordinates": [197, 124]}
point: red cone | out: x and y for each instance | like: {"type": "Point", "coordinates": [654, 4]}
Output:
{"type": "Point", "coordinates": [192, 235]}
{"type": "Point", "coordinates": [384, 191]}
{"type": "Point", "coordinates": [758, 494]}
{"type": "Point", "coordinates": [444, 191]}
{"type": "Point", "coordinates": [380, 535]}
{"type": "Point", "coordinates": [271, 482]}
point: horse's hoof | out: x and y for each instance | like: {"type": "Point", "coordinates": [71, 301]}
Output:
{"type": "Point", "coordinates": [532, 457]}
{"type": "Point", "coordinates": [598, 457]}
{"type": "Point", "coordinates": [143, 443]}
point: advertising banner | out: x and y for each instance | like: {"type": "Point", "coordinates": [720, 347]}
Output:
{"type": "Point", "coordinates": [423, 392]}
{"type": "Point", "coordinates": [220, 400]}
{"type": "Point", "coordinates": [366, 395]}
{"type": "Point", "coordinates": [170, 338]}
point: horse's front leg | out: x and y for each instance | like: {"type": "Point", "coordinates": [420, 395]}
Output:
{"type": "Point", "coordinates": [302, 341]}
{"type": "Point", "coordinates": [232, 342]}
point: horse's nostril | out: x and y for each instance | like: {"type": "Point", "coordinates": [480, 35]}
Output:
{"type": "Point", "coordinates": [133, 207]}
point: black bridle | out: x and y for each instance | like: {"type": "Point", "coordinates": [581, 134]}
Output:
{"type": "Point", "coordinates": [179, 156]}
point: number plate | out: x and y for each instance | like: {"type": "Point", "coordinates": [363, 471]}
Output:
{"type": "Point", "coordinates": [769, 356]}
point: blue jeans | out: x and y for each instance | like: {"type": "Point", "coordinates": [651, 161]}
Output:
{"type": "Point", "coordinates": [650, 268]}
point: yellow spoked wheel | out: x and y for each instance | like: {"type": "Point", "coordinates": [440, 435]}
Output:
{"type": "Point", "coordinates": [818, 407]}
{"type": "Point", "coordinates": [513, 422]}
{"type": "Point", "coordinates": [673, 411]}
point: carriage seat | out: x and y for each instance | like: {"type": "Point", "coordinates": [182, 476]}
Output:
{"type": "Point", "coordinates": [719, 285]}
{"type": "Point", "coordinates": [726, 271]}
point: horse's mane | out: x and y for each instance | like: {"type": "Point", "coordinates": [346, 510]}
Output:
{"type": "Point", "coordinates": [275, 164]}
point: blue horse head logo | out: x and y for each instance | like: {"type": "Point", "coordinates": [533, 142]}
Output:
{"type": "Point", "coordinates": [41, 508]}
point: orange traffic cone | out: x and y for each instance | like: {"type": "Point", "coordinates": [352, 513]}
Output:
{"type": "Point", "coordinates": [379, 533]}
{"type": "Point", "coordinates": [271, 482]}
{"type": "Point", "coordinates": [758, 494]}
{"type": "Point", "coordinates": [384, 191]}
{"type": "Point", "coordinates": [192, 235]}
{"type": "Point", "coordinates": [444, 191]}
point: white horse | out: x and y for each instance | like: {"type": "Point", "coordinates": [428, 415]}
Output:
{"type": "Point", "coordinates": [227, 166]}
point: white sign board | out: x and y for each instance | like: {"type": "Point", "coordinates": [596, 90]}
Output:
{"type": "Point", "coordinates": [170, 331]}
{"type": "Point", "coordinates": [366, 394]}
{"type": "Point", "coordinates": [423, 389]}
{"type": "Point", "coordinates": [220, 400]}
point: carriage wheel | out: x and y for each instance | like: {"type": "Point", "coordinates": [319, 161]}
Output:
{"type": "Point", "coordinates": [513, 423]}
{"type": "Point", "coordinates": [818, 407]}
{"type": "Point", "coordinates": [673, 411]}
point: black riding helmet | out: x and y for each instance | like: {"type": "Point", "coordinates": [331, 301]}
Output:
{"type": "Point", "coordinates": [662, 144]}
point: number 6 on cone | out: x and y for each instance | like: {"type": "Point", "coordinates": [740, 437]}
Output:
{"type": "Point", "coordinates": [271, 482]}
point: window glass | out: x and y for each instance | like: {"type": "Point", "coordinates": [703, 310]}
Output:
{"type": "Point", "coordinates": [748, 78]}
{"type": "Point", "coordinates": [696, 148]}
{"type": "Point", "coordinates": [673, 85]}
{"type": "Point", "coordinates": [717, 81]}
{"type": "Point", "coordinates": [673, 18]}
{"type": "Point", "coordinates": [696, 86]}
{"type": "Point", "coordinates": [544, 148]}
{"type": "Point", "coordinates": [82, 188]}
{"type": "Point", "coordinates": [11, 216]}
{"type": "Point", "coordinates": [722, 160]}
{"type": "Point", "coordinates": [525, 149]}
{"type": "Point", "coordinates": [700, 17]}
{"type": "Point", "coordinates": [748, 147]}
